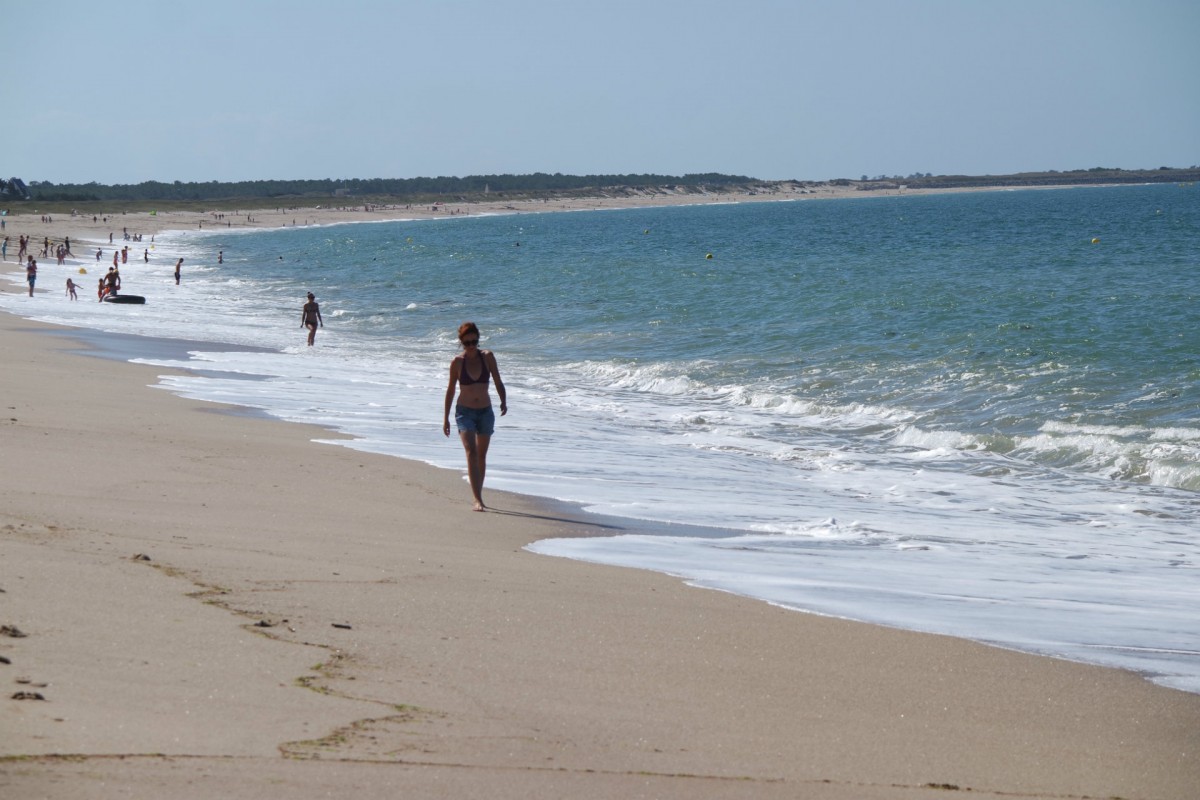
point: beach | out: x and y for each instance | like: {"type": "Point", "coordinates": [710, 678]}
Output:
{"type": "Point", "coordinates": [96, 228]}
{"type": "Point", "coordinates": [214, 603]}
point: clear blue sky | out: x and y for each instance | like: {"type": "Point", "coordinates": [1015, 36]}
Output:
{"type": "Point", "coordinates": [127, 91]}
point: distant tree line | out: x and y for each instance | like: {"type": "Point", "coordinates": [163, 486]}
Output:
{"type": "Point", "coordinates": [474, 185]}
{"type": "Point", "coordinates": [1095, 175]}
{"type": "Point", "coordinates": [539, 184]}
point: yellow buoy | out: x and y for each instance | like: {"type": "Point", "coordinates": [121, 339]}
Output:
{"type": "Point", "coordinates": [1096, 240]}
{"type": "Point", "coordinates": [82, 271]}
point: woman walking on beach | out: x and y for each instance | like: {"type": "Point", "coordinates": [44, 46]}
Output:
{"type": "Point", "coordinates": [469, 373]}
{"type": "Point", "coordinates": [310, 317]}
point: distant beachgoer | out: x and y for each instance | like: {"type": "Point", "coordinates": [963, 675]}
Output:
{"type": "Point", "coordinates": [147, 257]}
{"type": "Point", "coordinates": [178, 264]}
{"type": "Point", "coordinates": [100, 290]}
{"type": "Point", "coordinates": [310, 317]}
{"type": "Point", "coordinates": [31, 274]}
{"type": "Point", "coordinates": [4, 249]}
{"type": "Point", "coordinates": [116, 255]}
{"type": "Point", "coordinates": [99, 253]}
{"type": "Point", "coordinates": [473, 414]}
{"type": "Point", "coordinates": [71, 289]}
{"type": "Point", "coordinates": [221, 257]}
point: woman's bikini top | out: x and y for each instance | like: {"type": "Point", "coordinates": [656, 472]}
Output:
{"type": "Point", "coordinates": [466, 380]}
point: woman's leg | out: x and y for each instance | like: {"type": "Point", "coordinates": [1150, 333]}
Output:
{"type": "Point", "coordinates": [481, 449]}
{"type": "Point", "coordinates": [476, 446]}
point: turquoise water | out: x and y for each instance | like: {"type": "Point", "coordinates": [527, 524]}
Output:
{"type": "Point", "coordinates": [952, 413]}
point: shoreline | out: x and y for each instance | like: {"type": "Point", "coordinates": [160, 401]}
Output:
{"type": "Point", "coordinates": [121, 347]}
{"type": "Point", "coordinates": [466, 661]}
{"type": "Point", "coordinates": [223, 605]}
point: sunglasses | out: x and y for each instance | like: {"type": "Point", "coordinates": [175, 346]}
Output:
{"type": "Point", "coordinates": [471, 343]}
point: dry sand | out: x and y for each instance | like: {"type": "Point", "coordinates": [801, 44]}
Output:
{"type": "Point", "coordinates": [215, 605]}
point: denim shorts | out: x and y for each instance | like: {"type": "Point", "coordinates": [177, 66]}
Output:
{"type": "Point", "coordinates": [475, 420]}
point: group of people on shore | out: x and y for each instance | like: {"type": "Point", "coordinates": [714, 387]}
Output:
{"type": "Point", "coordinates": [61, 251]}
{"type": "Point", "coordinates": [110, 284]}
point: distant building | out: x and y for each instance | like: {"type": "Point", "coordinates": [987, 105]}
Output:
{"type": "Point", "coordinates": [14, 189]}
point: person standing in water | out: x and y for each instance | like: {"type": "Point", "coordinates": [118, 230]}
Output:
{"type": "Point", "coordinates": [469, 373]}
{"type": "Point", "coordinates": [310, 317]}
{"type": "Point", "coordinates": [178, 265]}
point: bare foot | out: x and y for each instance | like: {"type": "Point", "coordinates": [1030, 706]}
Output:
{"type": "Point", "coordinates": [479, 506]}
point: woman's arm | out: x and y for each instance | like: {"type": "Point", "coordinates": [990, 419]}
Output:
{"type": "Point", "coordinates": [454, 367]}
{"type": "Point", "coordinates": [490, 359]}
